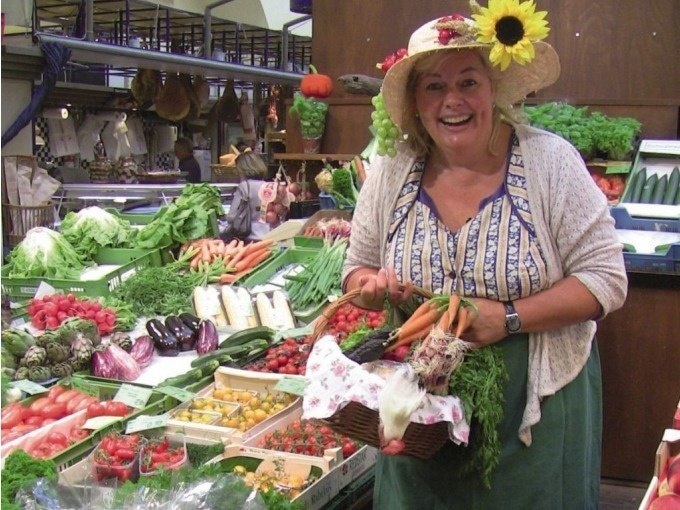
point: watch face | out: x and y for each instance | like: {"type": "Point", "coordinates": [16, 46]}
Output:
{"type": "Point", "coordinates": [512, 323]}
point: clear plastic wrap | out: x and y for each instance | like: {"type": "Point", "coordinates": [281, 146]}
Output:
{"type": "Point", "coordinates": [226, 492]}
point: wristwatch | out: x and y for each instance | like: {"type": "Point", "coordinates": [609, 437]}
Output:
{"type": "Point", "coordinates": [512, 322]}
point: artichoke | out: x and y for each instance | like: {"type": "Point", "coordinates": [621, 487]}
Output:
{"type": "Point", "coordinates": [56, 353]}
{"type": "Point", "coordinates": [35, 356]}
{"type": "Point", "coordinates": [39, 374]}
{"type": "Point", "coordinates": [63, 369]}
{"type": "Point", "coordinates": [122, 340]}
{"type": "Point", "coordinates": [21, 373]}
{"type": "Point", "coordinates": [17, 341]}
{"type": "Point", "coordinates": [7, 359]}
{"type": "Point", "coordinates": [78, 364]}
{"type": "Point", "coordinates": [82, 348]}
{"type": "Point", "coordinates": [48, 337]}
{"type": "Point", "coordinates": [71, 327]}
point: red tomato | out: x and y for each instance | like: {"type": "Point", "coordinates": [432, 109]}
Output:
{"type": "Point", "coordinates": [66, 396]}
{"type": "Point", "coordinates": [34, 420]}
{"type": "Point", "coordinates": [84, 404]}
{"type": "Point", "coordinates": [55, 391]}
{"type": "Point", "coordinates": [54, 411]}
{"type": "Point", "coordinates": [10, 436]}
{"type": "Point", "coordinates": [24, 428]}
{"type": "Point", "coordinates": [75, 402]}
{"type": "Point", "coordinates": [348, 448]}
{"type": "Point", "coordinates": [95, 409]}
{"type": "Point", "coordinates": [11, 417]}
{"type": "Point", "coordinates": [57, 438]}
{"type": "Point", "coordinates": [114, 408]}
{"type": "Point", "coordinates": [39, 404]}
{"type": "Point", "coordinates": [78, 434]}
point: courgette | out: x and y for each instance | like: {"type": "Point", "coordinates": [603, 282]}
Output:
{"type": "Point", "coordinates": [639, 184]}
{"type": "Point", "coordinates": [632, 181]}
{"type": "Point", "coordinates": [233, 352]}
{"type": "Point", "coordinates": [673, 186]}
{"type": "Point", "coordinates": [184, 379]}
{"type": "Point", "coordinates": [246, 335]}
{"type": "Point", "coordinates": [660, 190]}
{"type": "Point", "coordinates": [648, 189]}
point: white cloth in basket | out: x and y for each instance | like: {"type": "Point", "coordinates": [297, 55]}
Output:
{"type": "Point", "coordinates": [334, 380]}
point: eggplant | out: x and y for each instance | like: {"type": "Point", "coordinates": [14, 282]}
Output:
{"type": "Point", "coordinates": [190, 320]}
{"type": "Point", "coordinates": [142, 350]}
{"type": "Point", "coordinates": [165, 342]}
{"type": "Point", "coordinates": [186, 338]}
{"type": "Point", "coordinates": [207, 337]}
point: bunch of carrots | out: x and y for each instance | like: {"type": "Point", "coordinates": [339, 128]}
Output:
{"type": "Point", "coordinates": [443, 311]}
{"type": "Point", "coordinates": [236, 257]}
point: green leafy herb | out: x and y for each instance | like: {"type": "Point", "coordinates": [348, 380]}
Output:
{"type": "Point", "coordinates": [126, 318]}
{"type": "Point", "coordinates": [199, 454]}
{"type": "Point", "coordinates": [159, 290]}
{"type": "Point", "coordinates": [479, 382]}
{"type": "Point", "coordinates": [20, 469]}
{"type": "Point", "coordinates": [312, 114]}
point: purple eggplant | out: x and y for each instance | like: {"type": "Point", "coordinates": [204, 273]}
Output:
{"type": "Point", "coordinates": [207, 337]}
{"type": "Point", "coordinates": [142, 350]}
{"type": "Point", "coordinates": [165, 342]}
{"type": "Point", "coordinates": [103, 365]}
{"type": "Point", "coordinates": [186, 338]}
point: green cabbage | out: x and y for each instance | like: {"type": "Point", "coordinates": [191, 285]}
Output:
{"type": "Point", "coordinates": [93, 228]}
{"type": "Point", "coordinates": [44, 253]}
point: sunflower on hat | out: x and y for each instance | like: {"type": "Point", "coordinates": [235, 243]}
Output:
{"type": "Point", "coordinates": [511, 27]}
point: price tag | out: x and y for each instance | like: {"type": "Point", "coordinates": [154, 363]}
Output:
{"type": "Point", "coordinates": [85, 386]}
{"type": "Point", "coordinates": [133, 396]}
{"type": "Point", "coordinates": [28, 386]}
{"type": "Point", "coordinates": [293, 385]}
{"type": "Point", "coordinates": [177, 393]}
{"type": "Point", "coordinates": [146, 422]}
{"type": "Point", "coordinates": [100, 421]}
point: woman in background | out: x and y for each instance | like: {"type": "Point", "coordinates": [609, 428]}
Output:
{"type": "Point", "coordinates": [252, 171]}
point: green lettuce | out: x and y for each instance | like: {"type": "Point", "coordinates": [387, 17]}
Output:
{"type": "Point", "coordinates": [93, 228]}
{"type": "Point", "coordinates": [44, 253]}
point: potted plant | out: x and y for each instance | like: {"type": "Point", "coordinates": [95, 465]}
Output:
{"type": "Point", "coordinates": [312, 115]}
{"type": "Point", "coordinates": [614, 138]}
{"type": "Point", "coordinates": [567, 121]}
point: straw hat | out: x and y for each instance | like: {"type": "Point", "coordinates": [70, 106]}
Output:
{"type": "Point", "coordinates": [519, 67]}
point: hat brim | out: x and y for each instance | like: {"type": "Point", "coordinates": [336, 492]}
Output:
{"type": "Point", "coordinates": [512, 85]}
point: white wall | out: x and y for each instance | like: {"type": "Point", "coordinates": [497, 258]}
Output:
{"type": "Point", "coordinates": [16, 94]}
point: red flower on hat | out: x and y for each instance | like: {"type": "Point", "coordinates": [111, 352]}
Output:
{"type": "Point", "coordinates": [447, 27]}
{"type": "Point", "coordinates": [392, 59]}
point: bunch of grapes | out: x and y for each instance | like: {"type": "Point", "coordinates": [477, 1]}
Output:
{"type": "Point", "coordinates": [386, 131]}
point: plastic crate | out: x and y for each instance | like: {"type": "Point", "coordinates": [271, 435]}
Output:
{"type": "Point", "coordinates": [268, 269]}
{"type": "Point", "coordinates": [130, 254]}
{"type": "Point", "coordinates": [141, 219]}
{"type": "Point", "coordinates": [307, 242]}
{"type": "Point", "coordinates": [25, 288]}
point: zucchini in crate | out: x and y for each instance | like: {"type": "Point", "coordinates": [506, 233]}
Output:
{"type": "Point", "coordinates": [673, 186]}
{"type": "Point", "coordinates": [246, 335]}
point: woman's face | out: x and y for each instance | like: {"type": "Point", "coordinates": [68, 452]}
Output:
{"type": "Point", "coordinates": [454, 101]}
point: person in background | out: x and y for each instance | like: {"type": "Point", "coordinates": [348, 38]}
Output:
{"type": "Point", "coordinates": [184, 150]}
{"type": "Point", "coordinates": [479, 204]}
{"type": "Point", "coordinates": [252, 168]}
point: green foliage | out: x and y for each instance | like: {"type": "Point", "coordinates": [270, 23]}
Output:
{"type": "Point", "coordinates": [593, 134]}
{"type": "Point", "coordinates": [92, 228]}
{"type": "Point", "coordinates": [20, 469]}
{"type": "Point", "coordinates": [479, 382]}
{"type": "Point", "coordinates": [345, 192]}
{"type": "Point", "coordinates": [312, 115]}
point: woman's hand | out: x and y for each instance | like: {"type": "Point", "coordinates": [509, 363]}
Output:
{"type": "Point", "coordinates": [488, 327]}
{"type": "Point", "coordinates": [384, 283]}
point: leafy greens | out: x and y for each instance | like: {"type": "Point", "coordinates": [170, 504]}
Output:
{"type": "Point", "coordinates": [92, 228]}
{"type": "Point", "coordinates": [44, 253]}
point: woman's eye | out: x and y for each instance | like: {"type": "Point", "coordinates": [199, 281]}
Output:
{"type": "Point", "coordinates": [468, 83]}
{"type": "Point", "coordinates": [433, 86]}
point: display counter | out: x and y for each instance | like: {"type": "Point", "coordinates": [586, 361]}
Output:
{"type": "Point", "coordinates": [640, 356]}
{"type": "Point", "coordinates": [126, 196]}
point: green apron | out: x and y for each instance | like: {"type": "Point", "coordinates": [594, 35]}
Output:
{"type": "Point", "coordinates": [559, 471]}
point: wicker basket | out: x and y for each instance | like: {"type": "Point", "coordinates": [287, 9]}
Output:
{"type": "Point", "coordinates": [224, 173]}
{"type": "Point", "coordinates": [361, 423]}
{"type": "Point", "coordinates": [19, 219]}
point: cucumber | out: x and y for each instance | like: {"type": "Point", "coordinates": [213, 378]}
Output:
{"type": "Point", "coordinates": [677, 197]}
{"type": "Point", "coordinates": [632, 181]}
{"type": "Point", "coordinates": [672, 188]}
{"type": "Point", "coordinates": [660, 190]}
{"type": "Point", "coordinates": [648, 189]}
{"type": "Point", "coordinates": [184, 379]}
{"type": "Point", "coordinates": [246, 335]}
{"type": "Point", "coordinates": [640, 179]}
{"type": "Point", "coordinates": [208, 366]}
{"type": "Point", "coordinates": [231, 353]}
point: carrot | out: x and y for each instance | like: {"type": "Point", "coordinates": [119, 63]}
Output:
{"type": "Point", "coordinates": [444, 322]}
{"type": "Point", "coordinates": [258, 245]}
{"type": "Point", "coordinates": [231, 277]}
{"type": "Point", "coordinates": [412, 337]}
{"type": "Point", "coordinates": [465, 318]}
{"type": "Point", "coordinates": [205, 253]}
{"type": "Point", "coordinates": [454, 302]}
{"type": "Point", "coordinates": [194, 262]}
{"type": "Point", "coordinates": [237, 255]}
{"type": "Point", "coordinates": [252, 259]}
{"type": "Point", "coordinates": [418, 324]}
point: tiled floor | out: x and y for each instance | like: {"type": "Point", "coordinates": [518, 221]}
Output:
{"type": "Point", "coordinates": [615, 495]}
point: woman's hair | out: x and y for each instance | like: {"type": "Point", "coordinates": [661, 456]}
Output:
{"type": "Point", "coordinates": [250, 164]}
{"type": "Point", "coordinates": [418, 138]}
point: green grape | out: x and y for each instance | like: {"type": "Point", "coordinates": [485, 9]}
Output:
{"type": "Point", "coordinates": [381, 132]}
{"type": "Point", "coordinates": [386, 132]}
{"type": "Point", "coordinates": [391, 152]}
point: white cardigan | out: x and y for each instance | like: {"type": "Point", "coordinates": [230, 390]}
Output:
{"type": "Point", "coordinates": [575, 231]}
